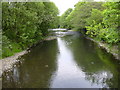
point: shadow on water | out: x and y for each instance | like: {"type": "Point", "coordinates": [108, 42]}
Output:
{"type": "Point", "coordinates": [36, 69]}
{"type": "Point", "coordinates": [68, 62]}
{"type": "Point", "coordinates": [100, 67]}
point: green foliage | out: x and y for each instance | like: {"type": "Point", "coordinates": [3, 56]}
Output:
{"type": "Point", "coordinates": [25, 23]}
{"type": "Point", "coordinates": [94, 23]}
{"type": "Point", "coordinates": [77, 18]}
{"type": "Point", "coordinates": [106, 29]}
{"type": "Point", "coordinates": [63, 19]}
{"type": "Point", "coordinates": [99, 20]}
{"type": "Point", "coordinates": [9, 48]}
{"type": "Point", "coordinates": [93, 19]}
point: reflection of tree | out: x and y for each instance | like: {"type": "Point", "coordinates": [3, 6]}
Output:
{"type": "Point", "coordinates": [100, 77]}
{"type": "Point", "coordinates": [98, 66]}
{"type": "Point", "coordinates": [36, 69]}
{"type": "Point", "coordinates": [111, 64]}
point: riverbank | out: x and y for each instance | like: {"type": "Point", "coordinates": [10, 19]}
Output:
{"type": "Point", "coordinates": [6, 64]}
{"type": "Point", "coordinates": [50, 62]}
{"type": "Point", "coordinates": [114, 50]}
{"type": "Point", "coordinates": [110, 49]}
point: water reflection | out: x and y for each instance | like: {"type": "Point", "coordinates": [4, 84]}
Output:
{"type": "Point", "coordinates": [68, 62]}
{"type": "Point", "coordinates": [99, 67]}
{"type": "Point", "coordinates": [36, 69]}
{"type": "Point", "coordinates": [68, 74]}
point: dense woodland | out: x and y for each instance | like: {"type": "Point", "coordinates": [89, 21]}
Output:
{"type": "Point", "coordinates": [98, 20]}
{"type": "Point", "coordinates": [26, 23]}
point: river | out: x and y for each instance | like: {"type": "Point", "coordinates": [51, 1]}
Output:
{"type": "Point", "coordinates": [71, 61]}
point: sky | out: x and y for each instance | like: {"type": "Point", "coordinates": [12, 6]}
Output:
{"type": "Point", "coordinates": [63, 5]}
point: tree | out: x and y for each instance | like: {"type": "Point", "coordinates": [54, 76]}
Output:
{"type": "Point", "coordinates": [77, 18]}
{"type": "Point", "coordinates": [25, 23]}
{"type": "Point", "coordinates": [63, 21]}
{"type": "Point", "coordinates": [107, 29]}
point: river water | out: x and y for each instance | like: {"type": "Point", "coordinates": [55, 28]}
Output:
{"type": "Point", "coordinates": [71, 61]}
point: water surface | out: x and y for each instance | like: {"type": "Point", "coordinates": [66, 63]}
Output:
{"type": "Point", "coordinates": [68, 62]}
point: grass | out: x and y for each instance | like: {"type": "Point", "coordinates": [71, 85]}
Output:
{"type": "Point", "coordinates": [10, 50]}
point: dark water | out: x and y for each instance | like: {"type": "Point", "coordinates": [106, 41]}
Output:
{"type": "Point", "coordinates": [67, 62]}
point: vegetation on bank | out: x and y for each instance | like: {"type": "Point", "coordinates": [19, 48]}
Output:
{"type": "Point", "coordinates": [25, 23]}
{"type": "Point", "coordinates": [98, 20]}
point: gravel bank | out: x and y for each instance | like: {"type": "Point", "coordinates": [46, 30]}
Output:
{"type": "Point", "coordinates": [6, 64]}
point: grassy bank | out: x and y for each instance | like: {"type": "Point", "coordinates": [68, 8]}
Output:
{"type": "Point", "coordinates": [9, 48]}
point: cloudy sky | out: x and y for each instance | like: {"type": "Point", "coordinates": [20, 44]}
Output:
{"type": "Point", "coordinates": [63, 5]}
